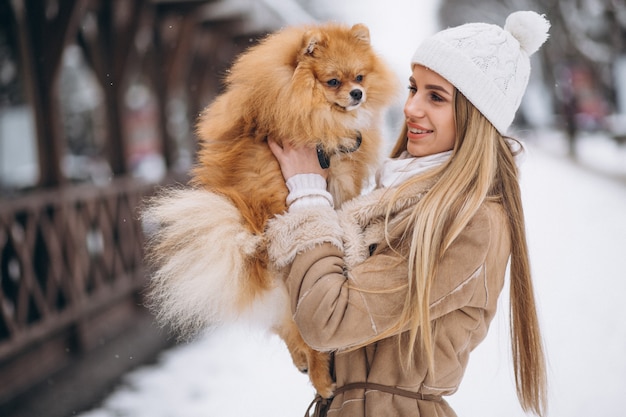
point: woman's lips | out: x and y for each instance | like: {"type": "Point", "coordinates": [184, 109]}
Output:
{"type": "Point", "coordinates": [418, 131]}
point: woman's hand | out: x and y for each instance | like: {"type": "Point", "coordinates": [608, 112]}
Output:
{"type": "Point", "coordinates": [294, 161]}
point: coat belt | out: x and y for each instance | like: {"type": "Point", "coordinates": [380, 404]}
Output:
{"type": "Point", "coordinates": [321, 404]}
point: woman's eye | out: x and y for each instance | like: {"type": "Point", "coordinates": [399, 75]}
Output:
{"type": "Point", "coordinates": [435, 97]}
{"type": "Point", "coordinates": [333, 83]}
{"type": "Point", "coordinates": [412, 89]}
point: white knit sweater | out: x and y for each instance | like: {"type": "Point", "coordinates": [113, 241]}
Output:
{"type": "Point", "coordinates": [309, 190]}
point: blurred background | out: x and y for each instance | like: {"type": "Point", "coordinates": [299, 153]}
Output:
{"type": "Point", "coordinates": [98, 101]}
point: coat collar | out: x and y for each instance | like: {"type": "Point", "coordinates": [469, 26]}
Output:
{"type": "Point", "coordinates": [376, 204]}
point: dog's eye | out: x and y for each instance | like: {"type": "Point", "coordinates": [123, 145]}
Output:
{"type": "Point", "coordinates": [333, 83]}
{"type": "Point", "coordinates": [359, 78]}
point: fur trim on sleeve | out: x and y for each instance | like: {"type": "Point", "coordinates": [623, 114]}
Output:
{"type": "Point", "coordinates": [293, 232]}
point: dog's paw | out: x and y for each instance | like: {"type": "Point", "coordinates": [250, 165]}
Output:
{"type": "Point", "coordinates": [319, 373]}
{"type": "Point", "coordinates": [328, 391]}
{"type": "Point", "coordinates": [301, 361]}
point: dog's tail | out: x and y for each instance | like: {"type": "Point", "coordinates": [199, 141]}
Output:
{"type": "Point", "coordinates": [198, 248]}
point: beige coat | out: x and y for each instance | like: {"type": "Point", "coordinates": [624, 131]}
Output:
{"type": "Point", "coordinates": [330, 273]}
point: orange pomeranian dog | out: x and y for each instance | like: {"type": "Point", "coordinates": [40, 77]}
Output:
{"type": "Point", "coordinates": [317, 86]}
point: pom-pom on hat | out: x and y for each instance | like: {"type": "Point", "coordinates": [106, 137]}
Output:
{"type": "Point", "coordinates": [488, 64]}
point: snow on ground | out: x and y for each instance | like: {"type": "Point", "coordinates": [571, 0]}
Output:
{"type": "Point", "coordinates": [576, 222]}
{"type": "Point", "coordinates": [234, 372]}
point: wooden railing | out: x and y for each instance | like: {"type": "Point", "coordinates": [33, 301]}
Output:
{"type": "Point", "coordinates": [67, 257]}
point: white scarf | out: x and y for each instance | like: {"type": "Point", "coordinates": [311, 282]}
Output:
{"type": "Point", "coordinates": [395, 171]}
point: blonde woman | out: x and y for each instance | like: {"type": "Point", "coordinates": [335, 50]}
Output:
{"type": "Point", "coordinates": [401, 284]}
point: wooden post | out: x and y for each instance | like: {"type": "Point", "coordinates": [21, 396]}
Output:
{"type": "Point", "coordinates": [43, 34]}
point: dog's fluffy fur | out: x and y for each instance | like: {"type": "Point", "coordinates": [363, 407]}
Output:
{"type": "Point", "coordinates": [315, 85]}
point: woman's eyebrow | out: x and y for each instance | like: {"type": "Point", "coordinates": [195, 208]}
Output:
{"type": "Point", "coordinates": [438, 88]}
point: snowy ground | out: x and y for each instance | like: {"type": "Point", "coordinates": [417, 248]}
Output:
{"type": "Point", "coordinates": [577, 233]}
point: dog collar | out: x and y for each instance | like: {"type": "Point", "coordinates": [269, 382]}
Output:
{"type": "Point", "coordinates": [324, 158]}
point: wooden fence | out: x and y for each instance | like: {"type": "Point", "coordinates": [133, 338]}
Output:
{"type": "Point", "coordinates": [71, 267]}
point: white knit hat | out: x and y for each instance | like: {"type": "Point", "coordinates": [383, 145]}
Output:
{"type": "Point", "coordinates": [486, 63]}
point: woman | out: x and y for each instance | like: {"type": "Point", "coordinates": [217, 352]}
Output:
{"type": "Point", "coordinates": [401, 284]}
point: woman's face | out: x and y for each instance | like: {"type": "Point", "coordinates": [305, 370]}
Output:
{"type": "Point", "coordinates": [429, 113]}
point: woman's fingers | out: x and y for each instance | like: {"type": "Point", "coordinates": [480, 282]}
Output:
{"type": "Point", "coordinates": [294, 161]}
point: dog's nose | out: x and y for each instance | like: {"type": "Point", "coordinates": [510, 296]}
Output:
{"type": "Point", "coordinates": [356, 94]}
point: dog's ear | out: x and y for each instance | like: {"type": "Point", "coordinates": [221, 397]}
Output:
{"type": "Point", "coordinates": [311, 40]}
{"type": "Point", "coordinates": [361, 32]}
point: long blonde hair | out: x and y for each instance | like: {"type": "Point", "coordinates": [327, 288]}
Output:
{"type": "Point", "coordinates": [482, 167]}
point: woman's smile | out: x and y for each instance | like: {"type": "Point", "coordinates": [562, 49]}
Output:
{"type": "Point", "coordinates": [417, 132]}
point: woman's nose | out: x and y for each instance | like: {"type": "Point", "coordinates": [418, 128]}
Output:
{"type": "Point", "coordinates": [413, 107]}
